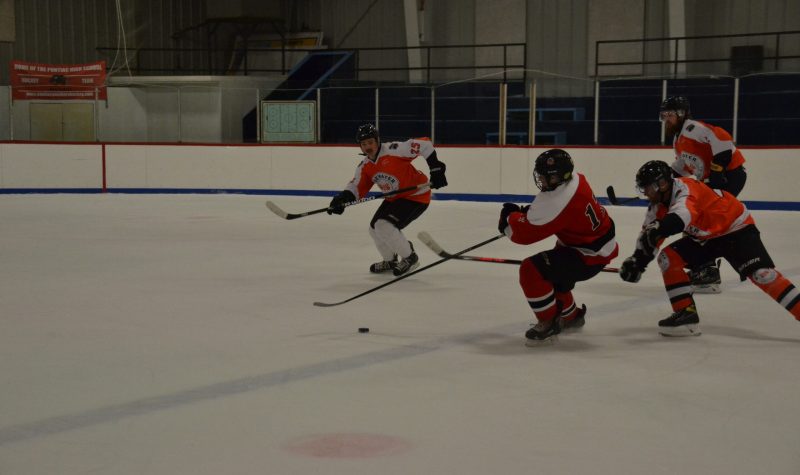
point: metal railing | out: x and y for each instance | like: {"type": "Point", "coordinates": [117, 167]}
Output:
{"type": "Point", "coordinates": [757, 110]}
{"type": "Point", "coordinates": [212, 61]}
{"type": "Point", "coordinates": [675, 43]}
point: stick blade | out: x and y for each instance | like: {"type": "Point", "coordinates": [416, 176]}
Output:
{"type": "Point", "coordinates": [323, 304]}
{"type": "Point", "coordinates": [427, 239]}
{"type": "Point", "coordinates": [277, 210]}
{"type": "Point", "coordinates": [612, 195]}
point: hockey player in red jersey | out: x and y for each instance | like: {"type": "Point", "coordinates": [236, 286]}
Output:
{"type": "Point", "coordinates": [567, 209]}
{"type": "Point", "coordinates": [715, 224]}
{"type": "Point", "coordinates": [388, 165]}
{"type": "Point", "coordinates": [708, 153]}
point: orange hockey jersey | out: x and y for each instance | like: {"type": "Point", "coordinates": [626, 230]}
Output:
{"type": "Point", "coordinates": [573, 215]}
{"type": "Point", "coordinates": [392, 170]}
{"type": "Point", "coordinates": [696, 145]}
{"type": "Point", "coordinates": [706, 213]}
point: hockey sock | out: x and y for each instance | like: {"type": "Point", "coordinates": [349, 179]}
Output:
{"type": "Point", "coordinates": [676, 281]}
{"type": "Point", "coordinates": [567, 304]}
{"type": "Point", "coordinates": [781, 289]}
{"type": "Point", "coordinates": [389, 239]}
{"type": "Point", "coordinates": [538, 291]}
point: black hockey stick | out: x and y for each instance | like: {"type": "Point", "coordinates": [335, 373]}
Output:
{"type": "Point", "coordinates": [612, 197]}
{"type": "Point", "coordinates": [283, 214]}
{"type": "Point", "coordinates": [397, 279]}
{"type": "Point", "coordinates": [435, 247]}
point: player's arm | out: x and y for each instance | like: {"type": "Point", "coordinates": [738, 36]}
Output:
{"type": "Point", "coordinates": [514, 223]}
{"type": "Point", "coordinates": [423, 147]}
{"type": "Point", "coordinates": [650, 238]}
{"type": "Point", "coordinates": [722, 148]}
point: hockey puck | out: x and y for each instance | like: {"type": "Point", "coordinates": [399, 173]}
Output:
{"type": "Point", "coordinates": [363, 330]}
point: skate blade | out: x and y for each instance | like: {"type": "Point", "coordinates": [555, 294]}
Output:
{"type": "Point", "coordinates": [571, 326]}
{"type": "Point", "coordinates": [549, 341]}
{"type": "Point", "coordinates": [707, 289]}
{"type": "Point", "coordinates": [683, 330]}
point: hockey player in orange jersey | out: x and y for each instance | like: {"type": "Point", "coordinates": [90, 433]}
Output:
{"type": "Point", "coordinates": [715, 224]}
{"type": "Point", "coordinates": [567, 209]}
{"type": "Point", "coordinates": [388, 165]}
{"type": "Point", "coordinates": [708, 153]}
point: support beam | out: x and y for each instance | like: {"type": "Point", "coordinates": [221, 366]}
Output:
{"type": "Point", "coordinates": [412, 41]}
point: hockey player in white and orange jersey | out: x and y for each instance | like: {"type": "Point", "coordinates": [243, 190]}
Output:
{"type": "Point", "coordinates": [715, 224]}
{"type": "Point", "coordinates": [708, 153]}
{"type": "Point", "coordinates": [388, 165]}
{"type": "Point", "coordinates": [567, 209]}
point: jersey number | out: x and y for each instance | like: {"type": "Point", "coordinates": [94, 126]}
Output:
{"type": "Point", "coordinates": [592, 216]}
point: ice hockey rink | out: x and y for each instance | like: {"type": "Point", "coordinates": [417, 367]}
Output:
{"type": "Point", "coordinates": [175, 334]}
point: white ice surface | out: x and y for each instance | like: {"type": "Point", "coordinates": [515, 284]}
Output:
{"type": "Point", "coordinates": [175, 334]}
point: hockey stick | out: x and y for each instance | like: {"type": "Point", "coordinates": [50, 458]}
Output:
{"type": "Point", "coordinates": [283, 214]}
{"type": "Point", "coordinates": [397, 279]}
{"type": "Point", "coordinates": [435, 247]}
{"type": "Point", "coordinates": [612, 197]}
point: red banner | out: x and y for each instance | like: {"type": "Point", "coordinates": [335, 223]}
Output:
{"type": "Point", "coordinates": [58, 81]}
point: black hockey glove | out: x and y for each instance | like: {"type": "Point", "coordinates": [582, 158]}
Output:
{"type": "Point", "coordinates": [438, 180]}
{"type": "Point", "coordinates": [649, 237]}
{"type": "Point", "coordinates": [717, 180]}
{"type": "Point", "coordinates": [508, 208]}
{"type": "Point", "coordinates": [338, 202]}
{"type": "Point", "coordinates": [630, 270]}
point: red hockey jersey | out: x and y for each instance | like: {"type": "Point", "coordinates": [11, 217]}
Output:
{"type": "Point", "coordinates": [573, 215]}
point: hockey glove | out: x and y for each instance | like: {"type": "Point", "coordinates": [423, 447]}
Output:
{"type": "Point", "coordinates": [508, 208]}
{"type": "Point", "coordinates": [630, 270]}
{"type": "Point", "coordinates": [717, 180]}
{"type": "Point", "coordinates": [438, 180]}
{"type": "Point", "coordinates": [649, 237]}
{"type": "Point", "coordinates": [338, 202]}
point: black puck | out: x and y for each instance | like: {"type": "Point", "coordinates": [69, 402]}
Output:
{"type": "Point", "coordinates": [363, 330]}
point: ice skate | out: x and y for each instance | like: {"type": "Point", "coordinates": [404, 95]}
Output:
{"type": "Point", "coordinates": [544, 332]}
{"type": "Point", "coordinates": [706, 279]}
{"type": "Point", "coordinates": [685, 322]}
{"type": "Point", "coordinates": [383, 266]}
{"type": "Point", "coordinates": [576, 322]}
{"type": "Point", "coordinates": [406, 264]}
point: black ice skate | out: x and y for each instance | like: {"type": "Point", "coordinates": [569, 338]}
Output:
{"type": "Point", "coordinates": [383, 266]}
{"type": "Point", "coordinates": [543, 332]}
{"type": "Point", "coordinates": [706, 279]}
{"type": "Point", "coordinates": [406, 264]}
{"type": "Point", "coordinates": [683, 323]}
{"type": "Point", "coordinates": [575, 323]}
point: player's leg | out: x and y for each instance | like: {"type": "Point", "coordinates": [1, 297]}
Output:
{"type": "Point", "coordinates": [385, 227]}
{"type": "Point", "coordinates": [751, 260]}
{"type": "Point", "coordinates": [547, 279]}
{"type": "Point", "coordinates": [541, 297]}
{"type": "Point", "coordinates": [672, 261]}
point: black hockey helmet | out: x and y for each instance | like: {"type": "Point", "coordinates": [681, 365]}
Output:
{"type": "Point", "coordinates": [677, 104]}
{"type": "Point", "coordinates": [651, 172]}
{"type": "Point", "coordinates": [552, 168]}
{"type": "Point", "coordinates": [367, 131]}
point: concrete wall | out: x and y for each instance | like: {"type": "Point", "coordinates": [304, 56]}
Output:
{"type": "Point", "coordinates": [474, 173]}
